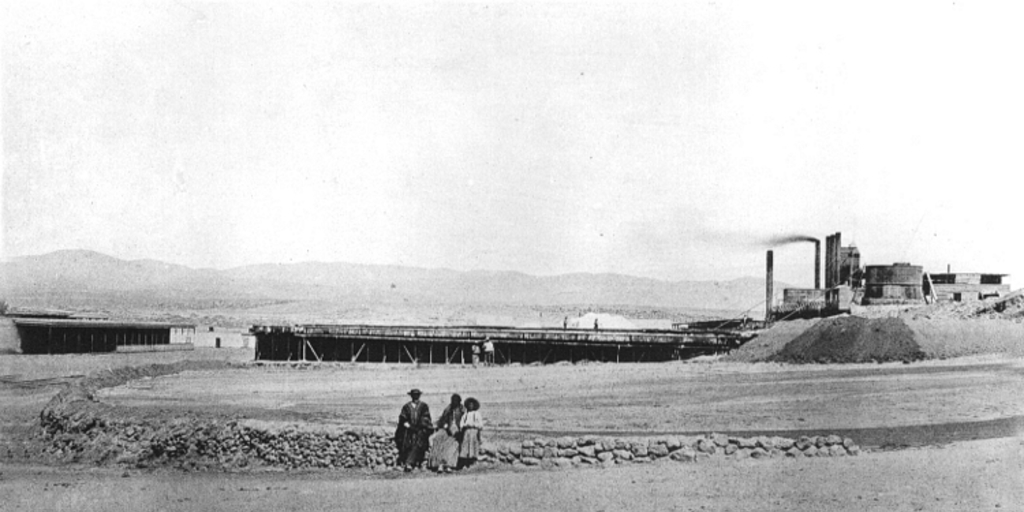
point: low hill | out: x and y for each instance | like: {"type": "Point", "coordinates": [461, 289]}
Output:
{"type": "Point", "coordinates": [81, 279]}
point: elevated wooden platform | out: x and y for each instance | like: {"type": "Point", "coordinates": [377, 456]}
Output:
{"type": "Point", "coordinates": [453, 345]}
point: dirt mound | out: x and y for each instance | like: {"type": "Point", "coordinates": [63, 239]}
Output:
{"type": "Point", "coordinates": [1009, 307]}
{"type": "Point", "coordinates": [850, 339]}
{"type": "Point", "coordinates": [942, 338]}
{"type": "Point", "coordinates": [770, 341]}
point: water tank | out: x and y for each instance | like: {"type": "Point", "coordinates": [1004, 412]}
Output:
{"type": "Point", "coordinates": [893, 284]}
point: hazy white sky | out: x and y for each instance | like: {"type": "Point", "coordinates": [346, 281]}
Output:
{"type": "Point", "coordinates": [660, 141]}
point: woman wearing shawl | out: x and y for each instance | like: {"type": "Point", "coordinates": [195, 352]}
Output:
{"type": "Point", "coordinates": [444, 444]}
{"type": "Point", "coordinates": [471, 425]}
{"type": "Point", "coordinates": [414, 426]}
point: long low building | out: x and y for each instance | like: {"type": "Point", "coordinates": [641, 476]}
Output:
{"type": "Point", "coordinates": [64, 336]}
{"type": "Point", "coordinates": [454, 345]}
{"type": "Point", "coordinates": [967, 286]}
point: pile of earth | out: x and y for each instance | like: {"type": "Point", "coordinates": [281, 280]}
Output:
{"type": "Point", "coordinates": [856, 339]}
{"type": "Point", "coordinates": [851, 339]}
{"type": "Point", "coordinates": [945, 338]}
{"type": "Point", "coordinates": [769, 342]}
{"type": "Point", "coordinates": [1009, 307]}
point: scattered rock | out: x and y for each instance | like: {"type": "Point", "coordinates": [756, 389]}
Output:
{"type": "Point", "coordinates": [623, 454]}
{"type": "Point", "coordinates": [706, 446]}
{"type": "Point", "coordinates": [684, 454]}
{"type": "Point", "coordinates": [658, 450]}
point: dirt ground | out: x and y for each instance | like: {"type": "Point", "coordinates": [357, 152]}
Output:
{"type": "Point", "coordinates": [612, 398]}
{"type": "Point", "coordinates": [975, 476]}
{"type": "Point", "coordinates": [608, 398]}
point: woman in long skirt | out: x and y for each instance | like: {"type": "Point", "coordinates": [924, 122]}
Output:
{"type": "Point", "coordinates": [444, 444]}
{"type": "Point", "coordinates": [472, 424]}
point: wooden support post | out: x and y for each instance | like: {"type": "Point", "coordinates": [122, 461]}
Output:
{"type": "Point", "coordinates": [318, 358]}
{"type": "Point", "coordinates": [411, 358]}
{"type": "Point", "coordinates": [361, 347]}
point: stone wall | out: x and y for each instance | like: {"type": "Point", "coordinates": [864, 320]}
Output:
{"type": "Point", "coordinates": [591, 450]}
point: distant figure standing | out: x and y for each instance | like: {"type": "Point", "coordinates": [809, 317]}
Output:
{"type": "Point", "coordinates": [488, 352]}
{"type": "Point", "coordinates": [595, 324]}
{"type": "Point", "coordinates": [472, 424]}
{"type": "Point", "coordinates": [565, 323]}
{"type": "Point", "coordinates": [476, 354]}
{"type": "Point", "coordinates": [414, 427]}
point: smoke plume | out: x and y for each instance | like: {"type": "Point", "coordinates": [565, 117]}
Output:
{"type": "Point", "coordinates": [788, 239]}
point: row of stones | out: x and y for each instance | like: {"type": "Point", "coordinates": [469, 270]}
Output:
{"type": "Point", "coordinates": [567, 451]}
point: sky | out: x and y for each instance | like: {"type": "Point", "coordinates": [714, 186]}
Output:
{"type": "Point", "coordinates": [658, 140]}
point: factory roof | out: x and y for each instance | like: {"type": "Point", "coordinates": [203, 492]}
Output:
{"type": "Point", "coordinates": [96, 324]}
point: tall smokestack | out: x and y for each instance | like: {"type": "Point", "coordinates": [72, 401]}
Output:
{"type": "Point", "coordinates": [838, 265]}
{"type": "Point", "coordinates": [817, 264]}
{"type": "Point", "coordinates": [769, 282]}
{"type": "Point", "coordinates": [828, 261]}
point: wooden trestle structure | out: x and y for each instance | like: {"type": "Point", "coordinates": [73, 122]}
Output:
{"type": "Point", "coordinates": [454, 345]}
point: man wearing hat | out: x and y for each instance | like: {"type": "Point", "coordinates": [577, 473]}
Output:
{"type": "Point", "coordinates": [414, 426]}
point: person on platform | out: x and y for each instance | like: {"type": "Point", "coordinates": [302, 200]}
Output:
{"type": "Point", "coordinates": [472, 424]}
{"type": "Point", "coordinates": [476, 354]}
{"type": "Point", "coordinates": [414, 426]}
{"type": "Point", "coordinates": [444, 444]}
{"type": "Point", "coordinates": [488, 352]}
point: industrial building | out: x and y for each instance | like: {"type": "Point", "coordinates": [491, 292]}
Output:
{"type": "Point", "coordinates": [69, 336]}
{"type": "Point", "coordinates": [847, 283]}
{"type": "Point", "coordinates": [842, 277]}
{"type": "Point", "coordinates": [966, 286]}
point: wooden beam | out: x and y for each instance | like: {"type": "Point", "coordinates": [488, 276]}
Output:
{"type": "Point", "coordinates": [318, 357]}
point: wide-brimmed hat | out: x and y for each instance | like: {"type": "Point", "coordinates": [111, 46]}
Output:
{"type": "Point", "coordinates": [472, 404]}
{"type": "Point", "coordinates": [415, 392]}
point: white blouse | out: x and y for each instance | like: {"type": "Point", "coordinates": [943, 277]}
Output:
{"type": "Point", "coordinates": [473, 420]}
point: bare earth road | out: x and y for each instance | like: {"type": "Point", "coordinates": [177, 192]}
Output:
{"type": "Point", "coordinates": [970, 476]}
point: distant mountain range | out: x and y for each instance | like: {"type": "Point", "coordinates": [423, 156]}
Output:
{"type": "Point", "coordinates": [80, 279]}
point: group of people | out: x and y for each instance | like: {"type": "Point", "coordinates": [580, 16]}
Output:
{"type": "Point", "coordinates": [487, 346]}
{"type": "Point", "coordinates": [452, 444]}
